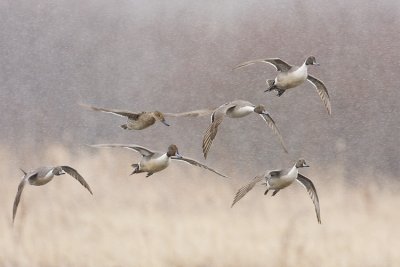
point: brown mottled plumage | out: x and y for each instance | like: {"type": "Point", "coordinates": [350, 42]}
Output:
{"type": "Point", "coordinates": [143, 120]}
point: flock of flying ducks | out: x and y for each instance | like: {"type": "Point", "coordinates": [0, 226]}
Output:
{"type": "Point", "coordinates": [153, 161]}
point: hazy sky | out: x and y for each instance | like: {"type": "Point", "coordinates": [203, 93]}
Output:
{"type": "Point", "coordinates": [176, 56]}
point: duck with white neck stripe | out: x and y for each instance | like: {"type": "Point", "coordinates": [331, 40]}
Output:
{"type": "Point", "coordinates": [292, 76]}
{"type": "Point", "coordinates": [279, 179]}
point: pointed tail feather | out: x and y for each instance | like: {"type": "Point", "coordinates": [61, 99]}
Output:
{"type": "Point", "coordinates": [270, 85]}
{"type": "Point", "coordinates": [23, 171]}
{"type": "Point", "coordinates": [135, 168]}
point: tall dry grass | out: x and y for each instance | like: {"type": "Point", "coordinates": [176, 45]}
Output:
{"type": "Point", "coordinates": [182, 217]}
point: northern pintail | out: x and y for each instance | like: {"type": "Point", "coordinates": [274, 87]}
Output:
{"type": "Point", "coordinates": [43, 175]}
{"type": "Point", "coordinates": [142, 120]}
{"type": "Point", "coordinates": [154, 161]}
{"type": "Point", "coordinates": [236, 109]}
{"type": "Point", "coordinates": [291, 76]}
{"type": "Point", "coordinates": [279, 179]}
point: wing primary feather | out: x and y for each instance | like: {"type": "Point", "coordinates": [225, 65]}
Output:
{"type": "Point", "coordinates": [271, 123]}
{"type": "Point", "coordinates": [142, 150]}
{"type": "Point", "coordinates": [18, 196]}
{"type": "Point", "coordinates": [117, 112]}
{"type": "Point", "coordinates": [194, 113]}
{"type": "Point", "coordinates": [246, 188]}
{"type": "Point", "coordinates": [74, 173]}
{"type": "Point", "coordinates": [308, 184]}
{"type": "Point", "coordinates": [278, 63]}
{"type": "Point", "coordinates": [322, 92]}
{"type": "Point", "coordinates": [210, 134]}
{"type": "Point", "coordinates": [198, 164]}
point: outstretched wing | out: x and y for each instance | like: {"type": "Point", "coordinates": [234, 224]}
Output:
{"type": "Point", "coordinates": [278, 63]}
{"type": "Point", "coordinates": [211, 132]}
{"type": "Point", "coordinates": [216, 118]}
{"type": "Point", "coordinates": [18, 196]}
{"type": "Point", "coordinates": [142, 150]}
{"type": "Point", "coordinates": [198, 164]}
{"type": "Point", "coordinates": [194, 113]}
{"type": "Point", "coordinates": [245, 189]}
{"type": "Point", "coordinates": [304, 181]}
{"type": "Point", "coordinates": [322, 91]}
{"type": "Point", "coordinates": [77, 176]}
{"type": "Point", "coordinates": [117, 112]}
{"type": "Point", "coordinates": [270, 122]}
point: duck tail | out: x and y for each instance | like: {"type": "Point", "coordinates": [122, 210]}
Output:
{"type": "Point", "coordinates": [124, 126]}
{"type": "Point", "coordinates": [23, 171]}
{"type": "Point", "coordinates": [270, 85]}
{"type": "Point", "coordinates": [135, 168]}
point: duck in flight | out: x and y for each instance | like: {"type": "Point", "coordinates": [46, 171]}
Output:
{"type": "Point", "coordinates": [154, 161]}
{"type": "Point", "coordinates": [144, 119]}
{"type": "Point", "coordinates": [237, 109]}
{"type": "Point", "coordinates": [279, 179]}
{"type": "Point", "coordinates": [291, 76]}
{"type": "Point", "coordinates": [43, 175]}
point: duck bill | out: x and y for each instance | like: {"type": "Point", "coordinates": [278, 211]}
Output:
{"type": "Point", "coordinates": [306, 165]}
{"type": "Point", "coordinates": [316, 64]}
{"type": "Point", "coordinates": [166, 124]}
{"type": "Point", "coordinates": [178, 155]}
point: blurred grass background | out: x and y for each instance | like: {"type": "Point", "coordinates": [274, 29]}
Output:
{"type": "Point", "coordinates": [182, 217]}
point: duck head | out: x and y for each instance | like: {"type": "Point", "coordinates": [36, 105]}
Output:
{"type": "Point", "coordinates": [260, 109]}
{"type": "Point", "coordinates": [301, 163]}
{"type": "Point", "coordinates": [58, 171]}
{"type": "Point", "coordinates": [311, 61]}
{"type": "Point", "coordinates": [173, 151]}
{"type": "Point", "coordinates": [160, 117]}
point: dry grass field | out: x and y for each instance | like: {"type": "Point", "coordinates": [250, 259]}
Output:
{"type": "Point", "coordinates": [182, 217]}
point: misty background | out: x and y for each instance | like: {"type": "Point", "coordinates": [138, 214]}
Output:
{"type": "Point", "coordinates": [176, 56]}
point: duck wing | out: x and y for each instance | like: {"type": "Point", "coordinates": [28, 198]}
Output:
{"type": "Point", "coordinates": [142, 150]}
{"type": "Point", "coordinates": [270, 122]}
{"type": "Point", "coordinates": [74, 173]}
{"type": "Point", "coordinates": [304, 181]}
{"type": "Point", "coordinates": [246, 188]}
{"type": "Point", "coordinates": [216, 118]}
{"type": "Point", "coordinates": [194, 113]}
{"type": "Point", "coordinates": [322, 92]}
{"type": "Point", "coordinates": [121, 113]}
{"type": "Point", "coordinates": [278, 63]}
{"type": "Point", "coordinates": [198, 164]}
{"type": "Point", "coordinates": [19, 193]}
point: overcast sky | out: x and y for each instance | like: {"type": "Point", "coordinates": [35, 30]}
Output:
{"type": "Point", "coordinates": [176, 56]}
